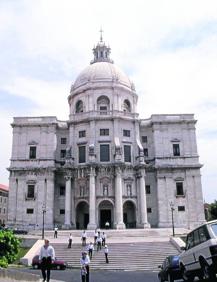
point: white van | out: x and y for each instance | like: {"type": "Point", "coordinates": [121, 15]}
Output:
{"type": "Point", "coordinates": [199, 257]}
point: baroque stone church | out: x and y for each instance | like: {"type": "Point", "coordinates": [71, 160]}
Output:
{"type": "Point", "coordinates": [104, 163]}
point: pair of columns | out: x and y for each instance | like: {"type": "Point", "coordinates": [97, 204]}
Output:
{"type": "Point", "coordinates": [119, 224]}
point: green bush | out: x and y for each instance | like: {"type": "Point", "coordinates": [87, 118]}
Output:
{"type": "Point", "coordinates": [9, 247]}
{"type": "Point", "coordinates": [3, 262]}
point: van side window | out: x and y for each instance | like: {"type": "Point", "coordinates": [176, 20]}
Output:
{"type": "Point", "coordinates": [190, 241]}
{"type": "Point", "coordinates": [196, 238]}
{"type": "Point", "coordinates": [203, 233]}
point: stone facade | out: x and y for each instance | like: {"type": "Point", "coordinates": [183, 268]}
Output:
{"type": "Point", "coordinates": [104, 163]}
{"type": "Point", "coordinates": [3, 204]}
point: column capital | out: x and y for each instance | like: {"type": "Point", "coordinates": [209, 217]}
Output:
{"type": "Point", "coordinates": [92, 171]}
{"type": "Point", "coordinates": [118, 170]}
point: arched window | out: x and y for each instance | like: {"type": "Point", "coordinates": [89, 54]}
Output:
{"type": "Point", "coordinates": [126, 106]}
{"type": "Point", "coordinates": [79, 108]}
{"type": "Point", "coordinates": [103, 105]}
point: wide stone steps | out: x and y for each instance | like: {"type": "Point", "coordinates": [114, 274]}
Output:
{"type": "Point", "coordinates": [122, 256]}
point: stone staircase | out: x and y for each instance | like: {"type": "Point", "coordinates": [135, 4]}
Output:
{"type": "Point", "coordinates": [122, 256]}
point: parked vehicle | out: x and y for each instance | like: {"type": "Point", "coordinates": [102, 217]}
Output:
{"type": "Point", "coordinates": [170, 270]}
{"type": "Point", "coordinates": [199, 257]}
{"type": "Point", "coordinates": [57, 264]}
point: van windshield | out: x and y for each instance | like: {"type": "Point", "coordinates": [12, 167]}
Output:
{"type": "Point", "coordinates": [214, 228]}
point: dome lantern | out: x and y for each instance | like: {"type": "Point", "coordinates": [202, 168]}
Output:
{"type": "Point", "coordinates": [101, 52]}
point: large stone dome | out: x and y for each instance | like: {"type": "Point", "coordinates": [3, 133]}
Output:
{"type": "Point", "coordinates": [102, 72]}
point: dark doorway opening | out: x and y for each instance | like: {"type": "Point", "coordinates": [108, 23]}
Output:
{"type": "Point", "coordinates": [105, 215]}
{"type": "Point", "coordinates": [86, 220]}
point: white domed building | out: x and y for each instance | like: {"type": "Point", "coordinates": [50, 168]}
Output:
{"type": "Point", "coordinates": [104, 163]}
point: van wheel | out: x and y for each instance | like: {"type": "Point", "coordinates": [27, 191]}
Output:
{"type": "Point", "coordinates": [207, 272]}
{"type": "Point", "coordinates": [58, 267]}
{"type": "Point", "coordinates": [170, 278]}
{"type": "Point", "coordinates": [185, 277]}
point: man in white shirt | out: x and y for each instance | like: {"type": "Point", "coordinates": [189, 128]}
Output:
{"type": "Point", "coordinates": [85, 261]}
{"type": "Point", "coordinates": [84, 238]}
{"type": "Point", "coordinates": [90, 250]}
{"type": "Point", "coordinates": [103, 238]}
{"type": "Point", "coordinates": [46, 257]}
{"type": "Point", "coordinates": [55, 231]}
{"type": "Point", "coordinates": [106, 253]}
{"type": "Point", "coordinates": [70, 240]}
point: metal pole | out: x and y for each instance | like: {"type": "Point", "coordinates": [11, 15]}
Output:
{"type": "Point", "coordinates": [43, 212]}
{"type": "Point", "coordinates": [172, 209]}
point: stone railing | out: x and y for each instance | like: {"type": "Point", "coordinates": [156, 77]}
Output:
{"type": "Point", "coordinates": [7, 275]}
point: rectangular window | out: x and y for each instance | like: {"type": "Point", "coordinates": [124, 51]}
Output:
{"type": "Point", "coordinates": [62, 211]}
{"type": "Point", "coordinates": [81, 154]}
{"type": "Point", "coordinates": [62, 190]}
{"type": "Point", "coordinates": [176, 150]}
{"type": "Point", "coordinates": [144, 139]}
{"type": "Point", "coordinates": [126, 133]}
{"type": "Point", "coordinates": [181, 208]}
{"type": "Point", "coordinates": [127, 153]}
{"type": "Point", "coordinates": [30, 211]}
{"type": "Point", "coordinates": [104, 132]}
{"type": "Point", "coordinates": [103, 110]}
{"type": "Point", "coordinates": [82, 133]}
{"type": "Point", "coordinates": [62, 154]}
{"type": "Point", "coordinates": [30, 191]}
{"type": "Point", "coordinates": [149, 210]}
{"type": "Point", "coordinates": [32, 152]}
{"type": "Point", "coordinates": [104, 153]}
{"type": "Point", "coordinates": [148, 189]}
{"type": "Point", "coordinates": [179, 189]}
{"type": "Point", "coordinates": [4, 211]}
{"type": "Point", "coordinates": [145, 150]}
{"type": "Point", "coordinates": [63, 141]}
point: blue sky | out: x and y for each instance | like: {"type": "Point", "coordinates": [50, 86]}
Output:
{"type": "Point", "coordinates": [168, 48]}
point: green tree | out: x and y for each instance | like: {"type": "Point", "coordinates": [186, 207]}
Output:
{"type": "Point", "coordinates": [213, 210]}
{"type": "Point", "coordinates": [9, 247]}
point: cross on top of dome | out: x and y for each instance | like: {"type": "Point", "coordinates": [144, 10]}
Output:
{"type": "Point", "coordinates": [101, 51]}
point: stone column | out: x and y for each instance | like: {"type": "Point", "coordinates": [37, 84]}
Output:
{"type": "Point", "coordinates": [73, 221]}
{"type": "Point", "coordinates": [143, 206]}
{"type": "Point", "coordinates": [49, 203]}
{"type": "Point", "coordinates": [68, 202]}
{"type": "Point", "coordinates": [119, 224]}
{"type": "Point", "coordinates": [92, 200]}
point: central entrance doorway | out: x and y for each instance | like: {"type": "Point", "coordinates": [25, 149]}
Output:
{"type": "Point", "coordinates": [105, 213]}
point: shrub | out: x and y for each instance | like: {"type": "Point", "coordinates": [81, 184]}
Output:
{"type": "Point", "coordinates": [9, 247]}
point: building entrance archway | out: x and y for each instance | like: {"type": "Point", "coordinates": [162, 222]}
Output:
{"type": "Point", "coordinates": [82, 215]}
{"type": "Point", "coordinates": [106, 213]}
{"type": "Point", "coordinates": [129, 214]}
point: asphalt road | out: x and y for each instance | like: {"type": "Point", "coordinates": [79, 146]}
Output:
{"type": "Point", "coordinates": [101, 276]}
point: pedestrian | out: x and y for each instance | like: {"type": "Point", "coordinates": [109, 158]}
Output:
{"type": "Point", "coordinates": [46, 257]}
{"type": "Point", "coordinates": [70, 241]}
{"type": "Point", "coordinates": [55, 231]}
{"type": "Point", "coordinates": [90, 250]}
{"type": "Point", "coordinates": [107, 225]}
{"type": "Point", "coordinates": [84, 238]}
{"type": "Point", "coordinates": [99, 243]}
{"type": "Point", "coordinates": [103, 238]}
{"type": "Point", "coordinates": [85, 261]}
{"type": "Point", "coordinates": [106, 253]}
{"type": "Point", "coordinates": [95, 236]}
{"type": "Point", "coordinates": [83, 273]}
